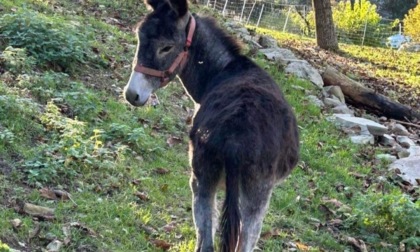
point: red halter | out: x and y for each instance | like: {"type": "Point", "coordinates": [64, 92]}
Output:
{"type": "Point", "coordinates": [179, 61]}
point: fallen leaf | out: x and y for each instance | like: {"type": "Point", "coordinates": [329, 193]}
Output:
{"type": "Point", "coordinates": [142, 195]}
{"type": "Point", "coordinates": [161, 171]}
{"type": "Point", "coordinates": [164, 188]}
{"type": "Point", "coordinates": [327, 211]}
{"type": "Point", "coordinates": [172, 140]}
{"type": "Point", "coordinates": [358, 244]}
{"type": "Point", "coordinates": [54, 194]}
{"type": "Point", "coordinates": [334, 202]}
{"type": "Point", "coordinates": [136, 181]}
{"type": "Point", "coordinates": [83, 228]}
{"type": "Point", "coordinates": [161, 244]}
{"type": "Point", "coordinates": [271, 233]}
{"type": "Point", "coordinates": [35, 232]}
{"type": "Point", "coordinates": [302, 247]}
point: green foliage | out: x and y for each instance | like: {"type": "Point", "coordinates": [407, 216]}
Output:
{"type": "Point", "coordinates": [4, 247]}
{"type": "Point", "coordinates": [17, 61]}
{"type": "Point", "coordinates": [394, 216]}
{"type": "Point", "coordinates": [352, 21]}
{"type": "Point", "coordinates": [50, 40]}
{"type": "Point", "coordinates": [412, 23]}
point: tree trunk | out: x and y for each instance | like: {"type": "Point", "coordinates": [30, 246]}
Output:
{"type": "Point", "coordinates": [324, 24]}
{"type": "Point", "coordinates": [360, 96]}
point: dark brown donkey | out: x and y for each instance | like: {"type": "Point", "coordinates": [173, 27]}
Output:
{"type": "Point", "coordinates": [244, 134]}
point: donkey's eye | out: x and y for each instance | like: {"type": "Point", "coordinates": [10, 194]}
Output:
{"type": "Point", "coordinates": [165, 49]}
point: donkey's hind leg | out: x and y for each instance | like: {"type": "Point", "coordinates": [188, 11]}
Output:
{"type": "Point", "coordinates": [204, 189]}
{"type": "Point", "coordinates": [255, 197]}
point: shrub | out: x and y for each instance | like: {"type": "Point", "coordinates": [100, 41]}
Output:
{"type": "Point", "coordinates": [394, 216]}
{"type": "Point", "coordinates": [412, 23]}
{"type": "Point", "coordinates": [49, 40]}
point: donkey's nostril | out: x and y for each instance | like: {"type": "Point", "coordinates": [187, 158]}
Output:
{"type": "Point", "coordinates": [137, 98]}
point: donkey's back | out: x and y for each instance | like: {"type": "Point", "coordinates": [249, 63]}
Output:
{"type": "Point", "coordinates": [246, 134]}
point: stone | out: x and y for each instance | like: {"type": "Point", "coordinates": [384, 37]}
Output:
{"type": "Point", "coordinates": [414, 151]}
{"type": "Point", "coordinates": [402, 152]}
{"type": "Point", "coordinates": [386, 157]}
{"type": "Point", "coordinates": [279, 55]}
{"type": "Point", "coordinates": [267, 42]}
{"type": "Point", "coordinates": [303, 70]}
{"type": "Point", "coordinates": [372, 127]}
{"type": "Point", "coordinates": [363, 139]}
{"type": "Point", "coordinates": [342, 109]}
{"type": "Point", "coordinates": [334, 91]}
{"type": "Point", "coordinates": [409, 169]}
{"type": "Point", "coordinates": [315, 100]}
{"type": "Point", "coordinates": [54, 246]}
{"type": "Point", "coordinates": [405, 141]}
{"type": "Point", "coordinates": [400, 130]}
{"type": "Point", "coordinates": [410, 47]}
{"type": "Point", "coordinates": [332, 102]}
{"type": "Point", "coordinates": [387, 140]}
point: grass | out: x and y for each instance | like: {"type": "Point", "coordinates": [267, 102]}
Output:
{"type": "Point", "coordinates": [129, 187]}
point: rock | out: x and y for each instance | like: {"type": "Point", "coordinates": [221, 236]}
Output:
{"type": "Point", "coordinates": [405, 141]}
{"type": "Point", "coordinates": [387, 140]}
{"type": "Point", "coordinates": [282, 56]}
{"type": "Point", "coordinates": [363, 139]}
{"type": "Point", "coordinates": [335, 91]}
{"type": "Point", "coordinates": [372, 127]}
{"type": "Point", "coordinates": [342, 109]}
{"type": "Point", "coordinates": [332, 102]}
{"type": "Point", "coordinates": [314, 100]}
{"type": "Point", "coordinates": [409, 169]}
{"type": "Point", "coordinates": [400, 130]}
{"type": "Point", "coordinates": [54, 246]}
{"type": "Point", "coordinates": [304, 70]}
{"type": "Point", "coordinates": [414, 151]}
{"type": "Point", "coordinates": [386, 157]}
{"type": "Point", "coordinates": [402, 152]}
{"type": "Point", "coordinates": [410, 47]}
{"type": "Point", "coordinates": [267, 42]}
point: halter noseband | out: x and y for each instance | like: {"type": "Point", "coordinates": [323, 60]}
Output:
{"type": "Point", "coordinates": [179, 61]}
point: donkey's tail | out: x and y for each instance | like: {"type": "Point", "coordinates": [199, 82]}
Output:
{"type": "Point", "coordinates": [230, 222]}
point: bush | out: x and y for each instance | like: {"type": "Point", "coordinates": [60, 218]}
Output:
{"type": "Point", "coordinates": [412, 23]}
{"type": "Point", "coordinates": [49, 40]}
{"type": "Point", "coordinates": [394, 216]}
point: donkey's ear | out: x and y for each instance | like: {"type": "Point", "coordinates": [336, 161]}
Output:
{"type": "Point", "coordinates": [154, 4]}
{"type": "Point", "coordinates": [180, 6]}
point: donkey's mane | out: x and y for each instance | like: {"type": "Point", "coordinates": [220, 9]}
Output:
{"type": "Point", "coordinates": [230, 42]}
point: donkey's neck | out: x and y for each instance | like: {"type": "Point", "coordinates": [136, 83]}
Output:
{"type": "Point", "coordinates": [210, 52]}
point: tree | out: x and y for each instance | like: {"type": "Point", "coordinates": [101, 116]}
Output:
{"type": "Point", "coordinates": [324, 25]}
{"type": "Point", "coordinates": [412, 23]}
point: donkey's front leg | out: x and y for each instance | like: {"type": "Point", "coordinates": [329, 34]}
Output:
{"type": "Point", "coordinates": [203, 200]}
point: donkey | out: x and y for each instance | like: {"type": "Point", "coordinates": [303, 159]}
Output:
{"type": "Point", "coordinates": [244, 134]}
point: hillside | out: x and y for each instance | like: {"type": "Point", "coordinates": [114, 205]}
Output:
{"type": "Point", "coordinates": [81, 170]}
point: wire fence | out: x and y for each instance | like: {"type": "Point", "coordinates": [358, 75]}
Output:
{"type": "Point", "coordinates": [298, 19]}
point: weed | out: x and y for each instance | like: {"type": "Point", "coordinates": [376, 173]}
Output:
{"type": "Point", "coordinates": [50, 40]}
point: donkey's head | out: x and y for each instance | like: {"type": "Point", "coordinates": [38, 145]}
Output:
{"type": "Point", "coordinates": [163, 41]}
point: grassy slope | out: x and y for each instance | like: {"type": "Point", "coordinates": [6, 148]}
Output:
{"type": "Point", "coordinates": [115, 155]}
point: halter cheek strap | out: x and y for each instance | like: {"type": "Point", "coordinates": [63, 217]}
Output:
{"type": "Point", "coordinates": [179, 61]}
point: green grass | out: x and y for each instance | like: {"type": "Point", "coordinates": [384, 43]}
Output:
{"type": "Point", "coordinates": [80, 136]}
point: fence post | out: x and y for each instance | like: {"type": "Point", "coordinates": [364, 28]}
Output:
{"type": "Point", "coordinates": [259, 18]}
{"type": "Point", "coordinates": [243, 9]}
{"type": "Point", "coordinates": [287, 19]}
{"type": "Point", "coordinates": [224, 8]}
{"type": "Point", "coordinates": [364, 32]}
{"type": "Point", "coordinates": [252, 9]}
{"type": "Point", "coordinates": [208, 3]}
{"type": "Point", "coordinates": [214, 5]}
